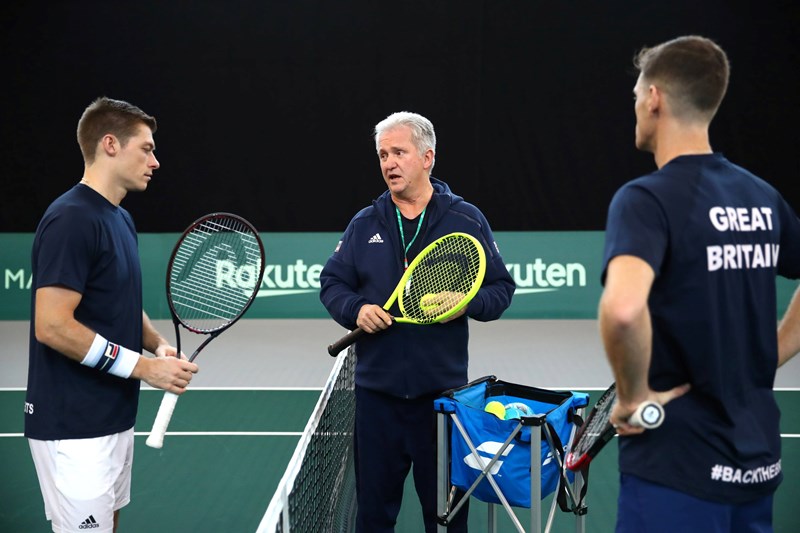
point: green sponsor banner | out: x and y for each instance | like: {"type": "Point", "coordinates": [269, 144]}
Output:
{"type": "Point", "coordinates": [290, 288]}
{"type": "Point", "coordinates": [15, 265]}
{"type": "Point", "coordinates": [557, 274]}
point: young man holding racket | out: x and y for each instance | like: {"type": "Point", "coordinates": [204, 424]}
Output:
{"type": "Point", "coordinates": [402, 368]}
{"type": "Point", "coordinates": [688, 313]}
{"type": "Point", "coordinates": [88, 328]}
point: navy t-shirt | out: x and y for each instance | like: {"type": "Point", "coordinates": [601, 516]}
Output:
{"type": "Point", "coordinates": [89, 245]}
{"type": "Point", "coordinates": [716, 236]}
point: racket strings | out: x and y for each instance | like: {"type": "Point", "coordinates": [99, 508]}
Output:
{"type": "Point", "coordinates": [441, 280]}
{"type": "Point", "coordinates": [214, 273]}
{"type": "Point", "coordinates": [597, 424]}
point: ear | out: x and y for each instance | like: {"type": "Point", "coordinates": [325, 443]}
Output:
{"type": "Point", "coordinates": [655, 97]}
{"type": "Point", "coordinates": [110, 144]}
{"type": "Point", "coordinates": [427, 159]}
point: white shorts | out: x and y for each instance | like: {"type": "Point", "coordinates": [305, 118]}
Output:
{"type": "Point", "coordinates": [84, 481]}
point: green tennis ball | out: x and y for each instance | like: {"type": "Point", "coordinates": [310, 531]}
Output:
{"type": "Point", "coordinates": [428, 302]}
{"type": "Point", "coordinates": [497, 409]}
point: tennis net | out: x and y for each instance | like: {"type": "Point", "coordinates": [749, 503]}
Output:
{"type": "Point", "coordinates": [317, 491]}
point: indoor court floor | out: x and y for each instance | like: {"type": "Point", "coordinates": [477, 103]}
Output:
{"type": "Point", "coordinates": [234, 432]}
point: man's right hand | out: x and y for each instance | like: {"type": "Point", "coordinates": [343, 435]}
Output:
{"type": "Point", "coordinates": [373, 318]}
{"type": "Point", "coordinates": [168, 373]}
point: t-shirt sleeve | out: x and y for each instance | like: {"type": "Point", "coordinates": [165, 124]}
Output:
{"type": "Point", "coordinates": [636, 226]}
{"type": "Point", "coordinates": [65, 252]}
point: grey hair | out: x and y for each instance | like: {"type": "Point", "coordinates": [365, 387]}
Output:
{"type": "Point", "coordinates": [422, 134]}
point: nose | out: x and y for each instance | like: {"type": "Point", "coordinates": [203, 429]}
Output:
{"type": "Point", "coordinates": [389, 162]}
{"type": "Point", "coordinates": [154, 163]}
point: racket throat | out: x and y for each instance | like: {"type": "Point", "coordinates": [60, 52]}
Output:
{"type": "Point", "coordinates": [177, 337]}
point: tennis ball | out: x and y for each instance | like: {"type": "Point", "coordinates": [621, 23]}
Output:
{"type": "Point", "coordinates": [428, 302]}
{"type": "Point", "coordinates": [521, 407]}
{"type": "Point", "coordinates": [496, 408]}
{"type": "Point", "coordinates": [513, 413]}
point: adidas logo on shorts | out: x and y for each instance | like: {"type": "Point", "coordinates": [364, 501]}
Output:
{"type": "Point", "coordinates": [375, 239]}
{"type": "Point", "coordinates": [89, 523]}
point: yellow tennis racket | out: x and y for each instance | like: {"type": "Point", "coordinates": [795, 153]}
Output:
{"type": "Point", "coordinates": [438, 283]}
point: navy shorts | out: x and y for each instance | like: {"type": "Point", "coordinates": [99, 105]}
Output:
{"type": "Point", "coordinates": [646, 507]}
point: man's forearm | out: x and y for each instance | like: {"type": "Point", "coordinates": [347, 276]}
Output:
{"type": "Point", "coordinates": [151, 338]}
{"type": "Point", "coordinates": [789, 331]}
{"type": "Point", "coordinates": [628, 344]}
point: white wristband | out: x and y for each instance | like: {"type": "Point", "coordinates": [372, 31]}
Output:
{"type": "Point", "coordinates": [111, 358]}
{"type": "Point", "coordinates": [95, 351]}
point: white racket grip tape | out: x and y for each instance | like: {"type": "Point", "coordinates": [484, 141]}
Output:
{"type": "Point", "coordinates": [648, 415]}
{"type": "Point", "coordinates": [156, 438]}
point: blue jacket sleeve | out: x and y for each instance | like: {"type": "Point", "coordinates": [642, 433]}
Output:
{"type": "Point", "coordinates": [338, 284]}
{"type": "Point", "coordinates": [495, 294]}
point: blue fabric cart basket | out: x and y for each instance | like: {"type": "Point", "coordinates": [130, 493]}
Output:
{"type": "Point", "coordinates": [487, 432]}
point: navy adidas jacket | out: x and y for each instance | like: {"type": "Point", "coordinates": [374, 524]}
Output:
{"type": "Point", "coordinates": [408, 360]}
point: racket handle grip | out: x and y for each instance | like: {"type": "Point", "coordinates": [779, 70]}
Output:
{"type": "Point", "coordinates": [156, 438]}
{"type": "Point", "coordinates": [648, 415]}
{"type": "Point", "coordinates": [335, 348]}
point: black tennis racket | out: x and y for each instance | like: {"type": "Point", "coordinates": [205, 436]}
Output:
{"type": "Point", "coordinates": [213, 276]}
{"type": "Point", "coordinates": [440, 281]}
{"type": "Point", "coordinates": [597, 429]}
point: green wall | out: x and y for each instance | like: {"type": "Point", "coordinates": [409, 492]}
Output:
{"type": "Point", "coordinates": [557, 274]}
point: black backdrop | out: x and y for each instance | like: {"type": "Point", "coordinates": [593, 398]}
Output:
{"type": "Point", "coordinates": [266, 108]}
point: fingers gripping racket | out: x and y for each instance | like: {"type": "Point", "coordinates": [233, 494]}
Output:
{"type": "Point", "coordinates": [438, 283]}
{"type": "Point", "coordinates": [597, 430]}
{"type": "Point", "coordinates": [213, 276]}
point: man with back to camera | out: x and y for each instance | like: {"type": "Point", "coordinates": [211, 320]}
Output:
{"type": "Point", "coordinates": [688, 313]}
